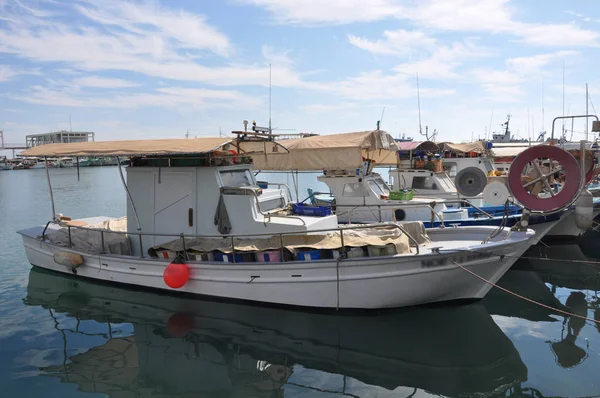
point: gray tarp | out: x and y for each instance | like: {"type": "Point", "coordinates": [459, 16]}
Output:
{"type": "Point", "coordinates": [91, 241]}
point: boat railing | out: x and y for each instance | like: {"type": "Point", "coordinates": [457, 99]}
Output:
{"type": "Point", "coordinates": [395, 206]}
{"type": "Point", "coordinates": [352, 209]}
{"type": "Point", "coordinates": [281, 184]}
{"type": "Point", "coordinates": [232, 238]}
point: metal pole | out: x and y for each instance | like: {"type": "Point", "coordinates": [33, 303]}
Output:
{"type": "Point", "coordinates": [50, 189]}
{"type": "Point", "coordinates": [137, 219]}
{"type": "Point", "coordinates": [77, 161]}
{"type": "Point", "coordinates": [586, 112]}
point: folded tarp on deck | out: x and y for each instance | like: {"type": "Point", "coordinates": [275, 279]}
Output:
{"type": "Point", "coordinates": [86, 240]}
{"type": "Point", "coordinates": [331, 240]}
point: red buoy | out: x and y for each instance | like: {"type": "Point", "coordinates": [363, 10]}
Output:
{"type": "Point", "coordinates": [176, 274]}
{"type": "Point", "coordinates": [570, 168]}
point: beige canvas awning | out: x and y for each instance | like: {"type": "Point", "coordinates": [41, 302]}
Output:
{"type": "Point", "coordinates": [335, 151]}
{"type": "Point", "coordinates": [174, 146]}
{"type": "Point", "coordinates": [477, 147]}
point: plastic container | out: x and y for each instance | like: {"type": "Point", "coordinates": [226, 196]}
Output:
{"type": "Point", "coordinates": [351, 252]}
{"type": "Point", "coordinates": [269, 256]}
{"type": "Point", "coordinates": [406, 194]}
{"type": "Point", "coordinates": [305, 210]}
{"type": "Point", "coordinates": [378, 251]}
{"type": "Point", "coordinates": [455, 214]}
{"type": "Point", "coordinates": [308, 255]}
{"type": "Point", "coordinates": [200, 256]}
{"type": "Point", "coordinates": [239, 257]}
{"type": "Point", "coordinates": [263, 184]}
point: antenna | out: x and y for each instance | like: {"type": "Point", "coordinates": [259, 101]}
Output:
{"type": "Point", "coordinates": [419, 105]}
{"type": "Point", "coordinates": [586, 111]}
{"type": "Point", "coordinates": [490, 126]}
{"type": "Point", "coordinates": [270, 131]}
{"type": "Point", "coordinates": [528, 126]}
{"type": "Point", "coordinates": [70, 125]}
{"type": "Point", "coordinates": [543, 104]}
{"type": "Point", "coordinates": [381, 119]}
{"type": "Point", "coordinates": [563, 97]}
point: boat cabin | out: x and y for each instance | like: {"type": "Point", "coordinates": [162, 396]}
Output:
{"type": "Point", "coordinates": [365, 197]}
{"type": "Point", "coordinates": [193, 197]}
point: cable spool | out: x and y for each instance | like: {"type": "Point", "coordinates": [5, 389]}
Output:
{"type": "Point", "coordinates": [470, 181]}
{"type": "Point", "coordinates": [521, 190]}
{"type": "Point", "coordinates": [495, 193]}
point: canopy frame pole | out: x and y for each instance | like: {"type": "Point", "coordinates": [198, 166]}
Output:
{"type": "Point", "coordinates": [135, 213]}
{"type": "Point", "coordinates": [50, 189]}
{"type": "Point", "coordinates": [77, 161]}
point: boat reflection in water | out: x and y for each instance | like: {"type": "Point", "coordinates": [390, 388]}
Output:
{"type": "Point", "coordinates": [189, 346]}
{"type": "Point", "coordinates": [543, 279]}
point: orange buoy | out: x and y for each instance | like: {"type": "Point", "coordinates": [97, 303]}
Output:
{"type": "Point", "coordinates": [176, 274]}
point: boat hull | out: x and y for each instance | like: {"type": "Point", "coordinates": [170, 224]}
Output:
{"type": "Point", "coordinates": [366, 283]}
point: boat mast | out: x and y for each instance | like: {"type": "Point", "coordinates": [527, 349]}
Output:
{"type": "Point", "coordinates": [586, 111]}
{"type": "Point", "coordinates": [270, 131]}
{"type": "Point", "coordinates": [419, 106]}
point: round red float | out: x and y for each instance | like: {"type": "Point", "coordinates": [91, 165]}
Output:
{"type": "Point", "coordinates": [562, 198]}
{"type": "Point", "coordinates": [176, 275]}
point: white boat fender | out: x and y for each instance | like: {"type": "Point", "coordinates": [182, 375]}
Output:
{"type": "Point", "coordinates": [68, 259]}
{"type": "Point", "coordinates": [584, 210]}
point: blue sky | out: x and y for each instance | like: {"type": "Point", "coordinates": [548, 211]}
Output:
{"type": "Point", "coordinates": [145, 69]}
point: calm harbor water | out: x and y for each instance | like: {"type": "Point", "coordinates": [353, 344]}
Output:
{"type": "Point", "coordinates": [64, 337]}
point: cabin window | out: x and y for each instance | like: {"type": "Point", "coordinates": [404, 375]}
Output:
{"type": "Point", "coordinates": [488, 165]}
{"type": "Point", "coordinates": [353, 190]}
{"type": "Point", "coordinates": [236, 178]}
{"type": "Point", "coordinates": [450, 168]}
{"type": "Point", "coordinates": [378, 187]}
{"type": "Point", "coordinates": [424, 183]}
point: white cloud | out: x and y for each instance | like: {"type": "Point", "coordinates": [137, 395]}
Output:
{"type": "Point", "coordinates": [506, 85]}
{"type": "Point", "coordinates": [533, 64]}
{"type": "Point", "coordinates": [8, 72]}
{"type": "Point", "coordinates": [187, 30]}
{"type": "Point", "coordinates": [164, 97]}
{"type": "Point", "coordinates": [397, 42]}
{"type": "Point", "coordinates": [139, 39]}
{"type": "Point", "coordinates": [102, 82]}
{"type": "Point", "coordinates": [318, 12]}
{"type": "Point", "coordinates": [558, 35]}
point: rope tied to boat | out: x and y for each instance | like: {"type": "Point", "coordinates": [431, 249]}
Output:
{"type": "Point", "coordinates": [567, 313]}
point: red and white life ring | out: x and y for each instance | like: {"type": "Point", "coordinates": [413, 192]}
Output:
{"type": "Point", "coordinates": [568, 166]}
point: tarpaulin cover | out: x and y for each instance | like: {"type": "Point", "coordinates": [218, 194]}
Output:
{"type": "Point", "coordinates": [335, 151]}
{"type": "Point", "coordinates": [328, 240]}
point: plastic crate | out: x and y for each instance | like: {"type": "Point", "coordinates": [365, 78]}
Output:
{"type": "Point", "coordinates": [351, 252]}
{"type": "Point", "coordinates": [406, 194]}
{"type": "Point", "coordinates": [378, 251]}
{"type": "Point", "coordinates": [301, 209]}
{"type": "Point", "coordinates": [308, 255]}
{"type": "Point", "coordinates": [239, 257]}
{"type": "Point", "coordinates": [269, 256]}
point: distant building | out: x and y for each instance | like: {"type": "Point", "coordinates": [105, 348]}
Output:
{"type": "Point", "coordinates": [58, 137]}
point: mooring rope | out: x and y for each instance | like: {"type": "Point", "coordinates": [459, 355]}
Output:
{"type": "Point", "coordinates": [516, 294]}
{"type": "Point", "coordinates": [591, 263]}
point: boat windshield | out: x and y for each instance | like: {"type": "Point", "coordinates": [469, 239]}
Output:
{"type": "Point", "coordinates": [378, 187]}
{"type": "Point", "coordinates": [236, 178]}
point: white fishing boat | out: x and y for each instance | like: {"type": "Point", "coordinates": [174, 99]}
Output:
{"type": "Point", "coordinates": [4, 165]}
{"type": "Point", "coordinates": [197, 222]}
{"type": "Point", "coordinates": [65, 162]}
